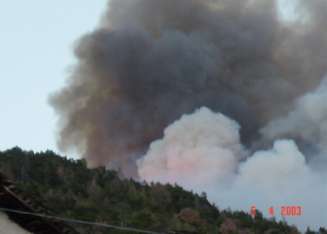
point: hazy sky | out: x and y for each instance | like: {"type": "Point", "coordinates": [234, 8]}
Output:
{"type": "Point", "coordinates": [37, 38]}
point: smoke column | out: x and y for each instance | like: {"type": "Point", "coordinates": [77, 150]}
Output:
{"type": "Point", "coordinates": [307, 123]}
{"type": "Point", "coordinates": [202, 152]}
{"type": "Point", "coordinates": [149, 62]}
{"type": "Point", "coordinates": [230, 91]}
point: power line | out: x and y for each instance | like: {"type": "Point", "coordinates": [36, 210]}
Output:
{"type": "Point", "coordinates": [103, 225]}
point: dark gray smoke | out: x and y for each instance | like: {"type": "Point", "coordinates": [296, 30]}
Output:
{"type": "Point", "coordinates": [150, 61]}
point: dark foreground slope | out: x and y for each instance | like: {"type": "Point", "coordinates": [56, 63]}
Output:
{"type": "Point", "coordinates": [69, 189]}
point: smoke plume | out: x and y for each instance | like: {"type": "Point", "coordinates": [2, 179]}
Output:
{"type": "Point", "coordinates": [195, 142]}
{"type": "Point", "coordinates": [202, 152]}
{"type": "Point", "coordinates": [215, 95]}
{"type": "Point", "coordinates": [149, 62]}
{"type": "Point", "coordinates": [307, 123]}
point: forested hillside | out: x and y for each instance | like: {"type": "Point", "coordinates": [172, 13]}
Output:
{"type": "Point", "coordinates": [68, 189]}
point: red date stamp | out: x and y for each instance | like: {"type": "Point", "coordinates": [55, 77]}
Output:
{"type": "Point", "coordinates": [291, 211]}
{"type": "Point", "coordinates": [284, 211]}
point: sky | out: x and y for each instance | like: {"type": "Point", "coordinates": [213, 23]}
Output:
{"type": "Point", "coordinates": [36, 51]}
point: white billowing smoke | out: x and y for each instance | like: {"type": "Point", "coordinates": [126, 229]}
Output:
{"type": "Point", "coordinates": [202, 152]}
{"type": "Point", "coordinates": [279, 177]}
{"type": "Point", "coordinates": [307, 122]}
{"type": "Point", "coordinates": [8, 227]}
{"type": "Point", "coordinates": [201, 141]}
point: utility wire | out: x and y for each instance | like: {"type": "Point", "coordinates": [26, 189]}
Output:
{"type": "Point", "coordinates": [103, 225]}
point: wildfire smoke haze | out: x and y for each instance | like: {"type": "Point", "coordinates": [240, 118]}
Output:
{"type": "Point", "coordinates": [150, 62]}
